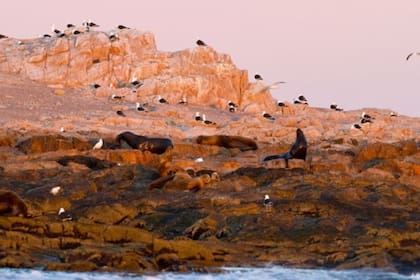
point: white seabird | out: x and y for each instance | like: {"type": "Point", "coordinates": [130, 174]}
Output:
{"type": "Point", "coordinates": [98, 144]}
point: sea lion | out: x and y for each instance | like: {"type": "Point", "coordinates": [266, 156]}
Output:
{"type": "Point", "coordinates": [297, 151]}
{"type": "Point", "coordinates": [12, 204]}
{"type": "Point", "coordinates": [143, 143]}
{"type": "Point", "coordinates": [229, 142]}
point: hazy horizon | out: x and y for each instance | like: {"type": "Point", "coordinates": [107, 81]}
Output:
{"type": "Point", "coordinates": [352, 53]}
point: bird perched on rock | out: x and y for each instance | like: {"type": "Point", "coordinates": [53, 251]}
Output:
{"type": "Point", "coordinates": [55, 190]}
{"type": "Point", "coordinates": [183, 101]}
{"type": "Point", "coordinates": [98, 144]}
{"type": "Point", "coordinates": [116, 97]}
{"type": "Point", "coordinates": [267, 201]}
{"type": "Point", "coordinates": [300, 100]}
{"type": "Point", "coordinates": [161, 100]}
{"type": "Point", "coordinates": [232, 109]}
{"type": "Point", "coordinates": [200, 43]}
{"type": "Point", "coordinates": [356, 126]}
{"type": "Point", "coordinates": [121, 113]}
{"type": "Point", "coordinates": [258, 77]}
{"type": "Point", "coordinates": [135, 83]}
{"type": "Point", "coordinates": [95, 86]}
{"type": "Point", "coordinates": [207, 121]}
{"type": "Point", "coordinates": [139, 107]}
{"type": "Point", "coordinates": [197, 116]}
{"type": "Point", "coordinates": [63, 215]}
{"type": "Point", "coordinates": [268, 116]}
{"type": "Point", "coordinates": [281, 103]}
{"type": "Point", "coordinates": [335, 107]}
{"type": "Point", "coordinates": [122, 27]}
{"type": "Point", "coordinates": [365, 118]}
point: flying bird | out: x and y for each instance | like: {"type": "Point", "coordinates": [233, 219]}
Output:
{"type": "Point", "coordinates": [272, 86]}
{"type": "Point", "coordinates": [411, 54]}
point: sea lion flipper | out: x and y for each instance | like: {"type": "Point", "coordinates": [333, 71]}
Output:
{"type": "Point", "coordinates": [267, 158]}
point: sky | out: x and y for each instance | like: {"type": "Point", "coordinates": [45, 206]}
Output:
{"type": "Point", "coordinates": [348, 52]}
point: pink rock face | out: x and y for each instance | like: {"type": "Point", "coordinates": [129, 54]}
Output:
{"type": "Point", "coordinates": [200, 74]}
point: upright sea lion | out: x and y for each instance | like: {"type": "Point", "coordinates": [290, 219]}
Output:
{"type": "Point", "coordinates": [229, 142]}
{"type": "Point", "coordinates": [298, 149]}
{"type": "Point", "coordinates": [12, 204]}
{"type": "Point", "coordinates": [143, 143]}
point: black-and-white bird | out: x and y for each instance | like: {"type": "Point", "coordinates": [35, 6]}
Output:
{"type": "Point", "coordinates": [411, 54]}
{"type": "Point", "coordinates": [281, 103]}
{"type": "Point", "coordinates": [95, 86]}
{"type": "Point", "coordinates": [232, 109]}
{"type": "Point", "coordinates": [70, 25]}
{"type": "Point", "coordinates": [98, 144]}
{"type": "Point", "coordinates": [267, 116]}
{"type": "Point", "coordinates": [206, 121]}
{"type": "Point", "coordinates": [197, 116]}
{"type": "Point", "coordinates": [139, 107]}
{"type": "Point", "coordinates": [232, 104]}
{"type": "Point", "coordinates": [200, 42]}
{"type": "Point", "coordinates": [271, 86]}
{"type": "Point", "coordinates": [267, 201]}
{"type": "Point", "coordinates": [393, 114]}
{"type": "Point", "coordinates": [92, 24]}
{"type": "Point", "coordinates": [162, 100]}
{"type": "Point", "coordinates": [365, 118]}
{"type": "Point", "coordinates": [3, 36]}
{"type": "Point", "coordinates": [258, 77]}
{"type": "Point", "coordinates": [55, 190]}
{"type": "Point", "coordinates": [135, 83]}
{"type": "Point", "coordinates": [55, 30]}
{"type": "Point", "coordinates": [356, 126]}
{"type": "Point", "coordinates": [335, 107]}
{"type": "Point", "coordinates": [121, 113]}
{"type": "Point", "coordinates": [116, 97]}
{"type": "Point", "coordinates": [122, 27]}
{"type": "Point", "coordinates": [183, 101]}
{"type": "Point", "coordinates": [64, 216]}
{"type": "Point", "coordinates": [113, 37]}
{"type": "Point", "coordinates": [76, 32]}
{"type": "Point", "coordinates": [46, 35]}
{"type": "Point", "coordinates": [300, 100]}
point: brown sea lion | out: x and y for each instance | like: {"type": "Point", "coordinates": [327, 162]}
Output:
{"type": "Point", "coordinates": [143, 143]}
{"type": "Point", "coordinates": [12, 204]}
{"type": "Point", "coordinates": [229, 142]}
{"type": "Point", "coordinates": [298, 149]}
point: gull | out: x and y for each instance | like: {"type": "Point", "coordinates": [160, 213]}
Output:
{"type": "Point", "coordinates": [272, 86]}
{"type": "Point", "coordinates": [55, 190]}
{"type": "Point", "coordinates": [98, 144]}
{"type": "Point", "coordinates": [411, 54]}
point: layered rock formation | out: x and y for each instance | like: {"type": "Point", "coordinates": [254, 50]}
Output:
{"type": "Point", "coordinates": [352, 204]}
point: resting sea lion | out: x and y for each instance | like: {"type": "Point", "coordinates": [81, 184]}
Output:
{"type": "Point", "coordinates": [229, 142]}
{"type": "Point", "coordinates": [298, 149]}
{"type": "Point", "coordinates": [12, 204]}
{"type": "Point", "coordinates": [143, 143]}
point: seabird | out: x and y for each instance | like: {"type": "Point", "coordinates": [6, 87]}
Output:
{"type": "Point", "coordinates": [267, 201]}
{"type": "Point", "coordinates": [393, 114]}
{"type": "Point", "coordinates": [232, 109]}
{"type": "Point", "coordinates": [55, 190]}
{"type": "Point", "coordinates": [113, 37]}
{"type": "Point", "coordinates": [116, 97]}
{"type": "Point", "coordinates": [122, 27]}
{"type": "Point", "coordinates": [2, 36]}
{"type": "Point", "coordinates": [301, 100]}
{"type": "Point", "coordinates": [200, 159]}
{"type": "Point", "coordinates": [76, 32]}
{"type": "Point", "coordinates": [207, 121]}
{"type": "Point", "coordinates": [161, 99]}
{"type": "Point", "coordinates": [281, 104]}
{"type": "Point", "coordinates": [120, 113]}
{"type": "Point", "coordinates": [267, 116]}
{"type": "Point", "coordinates": [135, 83]}
{"type": "Point", "coordinates": [98, 144]}
{"type": "Point", "coordinates": [64, 215]}
{"type": "Point", "coordinates": [183, 101]}
{"type": "Point", "coordinates": [356, 126]}
{"type": "Point", "coordinates": [200, 43]}
{"type": "Point", "coordinates": [411, 54]}
{"type": "Point", "coordinates": [197, 116]}
{"type": "Point", "coordinates": [231, 104]}
{"type": "Point", "coordinates": [258, 77]}
{"type": "Point", "coordinates": [70, 25]}
{"type": "Point", "coordinates": [335, 107]}
{"type": "Point", "coordinates": [62, 129]}
{"type": "Point", "coordinates": [46, 35]}
{"type": "Point", "coordinates": [92, 24]}
{"type": "Point", "coordinates": [95, 86]}
{"type": "Point", "coordinates": [55, 30]}
{"type": "Point", "coordinates": [139, 107]}
{"type": "Point", "coordinates": [365, 118]}
{"type": "Point", "coordinates": [272, 86]}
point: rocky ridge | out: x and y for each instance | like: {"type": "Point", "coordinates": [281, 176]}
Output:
{"type": "Point", "coordinates": [353, 203]}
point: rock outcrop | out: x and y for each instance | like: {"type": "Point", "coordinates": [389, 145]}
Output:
{"type": "Point", "coordinates": [352, 203]}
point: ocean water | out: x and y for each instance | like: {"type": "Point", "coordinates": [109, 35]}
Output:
{"type": "Point", "coordinates": [274, 272]}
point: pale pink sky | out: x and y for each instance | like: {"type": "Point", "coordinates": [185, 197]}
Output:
{"type": "Point", "coordinates": [350, 52]}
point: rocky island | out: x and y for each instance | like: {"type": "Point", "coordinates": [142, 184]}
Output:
{"type": "Point", "coordinates": [353, 202]}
